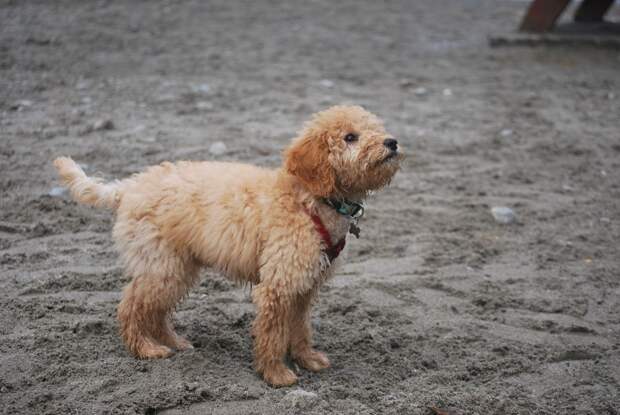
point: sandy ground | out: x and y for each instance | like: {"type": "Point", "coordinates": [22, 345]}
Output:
{"type": "Point", "coordinates": [437, 304]}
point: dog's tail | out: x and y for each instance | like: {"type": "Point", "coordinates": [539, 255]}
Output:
{"type": "Point", "coordinates": [87, 190]}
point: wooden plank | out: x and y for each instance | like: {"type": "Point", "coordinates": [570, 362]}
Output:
{"type": "Point", "coordinates": [542, 14]}
{"type": "Point", "coordinates": [592, 10]}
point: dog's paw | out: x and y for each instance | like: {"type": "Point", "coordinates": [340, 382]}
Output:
{"type": "Point", "coordinates": [153, 351]}
{"type": "Point", "coordinates": [312, 360]}
{"type": "Point", "coordinates": [279, 375]}
{"type": "Point", "coordinates": [182, 344]}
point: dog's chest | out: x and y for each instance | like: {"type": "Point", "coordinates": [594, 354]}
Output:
{"type": "Point", "coordinates": [336, 224]}
{"type": "Point", "coordinates": [337, 227]}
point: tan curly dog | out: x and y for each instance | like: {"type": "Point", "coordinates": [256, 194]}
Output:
{"type": "Point", "coordinates": [280, 230]}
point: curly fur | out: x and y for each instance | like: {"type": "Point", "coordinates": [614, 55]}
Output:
{"type": "Point", "coordinates": [250, 223]}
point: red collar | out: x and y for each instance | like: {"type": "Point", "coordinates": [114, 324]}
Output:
{"type": "Point", "coordinates": [331, 250]}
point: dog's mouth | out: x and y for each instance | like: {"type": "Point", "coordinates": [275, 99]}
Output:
{"type": "Point", "coordinates": [391, 156]}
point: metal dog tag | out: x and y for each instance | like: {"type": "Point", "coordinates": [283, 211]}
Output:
{"type": "Point", "coordinates": [354, 229]}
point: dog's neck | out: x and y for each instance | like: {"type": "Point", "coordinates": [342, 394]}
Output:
{"type": "Point", "coordinates": [336, 223]}
{"type": "Point", "coordinates": [345, 207]}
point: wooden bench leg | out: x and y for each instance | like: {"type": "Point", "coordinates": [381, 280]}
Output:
{"type": "Point", "coordinates": [542, 14]}
{"type": "Point", "coordinates": [592, 10]}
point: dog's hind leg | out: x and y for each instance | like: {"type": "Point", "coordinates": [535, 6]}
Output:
{"type": "Point", "coordinates": [138, 321]}
{"type": "Point", "coordinates": [145, 311]}
{"type": "Point", "coordinates": [161, 278]}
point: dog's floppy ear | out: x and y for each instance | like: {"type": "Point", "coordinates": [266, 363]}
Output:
{"type": "Point", "coordinates": [307, 159]}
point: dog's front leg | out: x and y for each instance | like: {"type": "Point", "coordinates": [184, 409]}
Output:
{"type": "Point", "coordinates": [271, 331]}
{"type": "Point", "coordinates": [301, 336]}
{"type": "Point", "coordinates": [289, 272]}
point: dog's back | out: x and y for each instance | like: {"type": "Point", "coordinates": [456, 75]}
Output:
{"type": "Point", "coordinates": [212, 209]}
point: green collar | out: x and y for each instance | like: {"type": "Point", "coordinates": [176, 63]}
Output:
{"type": "Point", "coordinates": [346, 207]}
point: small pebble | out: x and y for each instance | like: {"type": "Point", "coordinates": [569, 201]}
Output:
{"type": "Point", "coordinates": [78, 112]}
{"type": "Point", "coordinates": [20, 105]}
{"type": "Point", "coordinates": [326, 83]}
{"type": "Point", "coordinates": [420, 91]}
{"type": "Point", "coordinates": [300, 399]}
{"type": "Point", "coordinates": [611, 95]}
{"type": "Point", "coordinates": [506, 132]}
{"type": "Point", "coordinates": [138, 129]}
{"type": "Point", "coordinates": [503, 215]}
{"type": "Point", "coordinates": [204, 105]}
{"type": "Point", "coordinates": [447, 92]}
{"type": "Point", "coordinates": [191, 386]}
{"type": "Point", "coordinates": [218, 148]}
{"type": "Point", "coordinates": [82, 85]}
{"type": "Point", "coordinates": [567, 188]}
{"type": "Point", "coordinates": [103, 124]}
{"type": "Point", "coordinates": [57, 191]}
{"type": "Point", "coordinates": [204, 88]}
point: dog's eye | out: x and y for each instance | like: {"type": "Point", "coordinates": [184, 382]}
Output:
{"type": "Point", "coordinates": [349, 138]}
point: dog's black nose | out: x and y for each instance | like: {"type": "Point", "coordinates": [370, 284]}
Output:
{"type": "Point", "coordinates": [391, 144]}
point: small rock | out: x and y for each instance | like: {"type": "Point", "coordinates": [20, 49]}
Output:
{"type": "Point", "coordinates": [41, 229]}
{"type": "Point", "coordinates": [204, 88]}
{"type": "Point", "coordinates": [326, 83]}
{"type": "Point", "coordinates": [611, 95]}
{"type": "Point", "coordinates": [137, 129]}
{"type": "Point", "coordinates": [300, 399]}
{"type": "Point", "coordinates": [429, 363]}
{"type": "Point", "coordinates": [420, 91]}
{"type": "Point", "coordinates": [447, 92]}
{"type": "Point", "coordinates": [567, 188]}
{"type": "Point", "coordinates": [605, 220]}
{"type": "Point", "coordinates": [82, 85]}
{"type": "Point", "coordinates": [77, 113]}
{"type": "Point", "coordinates": [103, 124]}
{"type": "Point", "coordinates": [218, 148]}
{"type": "Point", "coordinates": [406, 83]}
{"type": "Point", "coordinates": [191, 386]}
{"type": "Point", "coordinates": [603, 173]}
{"type": "Point", "coordinates": [86, 100]}
{"type": "Point", "coordinates": [57, 191]}
{"type": "Point", "coordinates": [503, 215]}
{"type": "Point", "coordinates": [204, 105]}
{"type": "Point", "coordinates": [20, 105]}
{"type": "Point", "coordinates": [39, 40]}
{"type": "Point", "coordinates": [205, 393]}
{"type": "Point", "coordinates": [506, 132]}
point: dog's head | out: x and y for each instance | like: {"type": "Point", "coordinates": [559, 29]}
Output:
{"type": "Point", "coordinates": [343, 151]}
